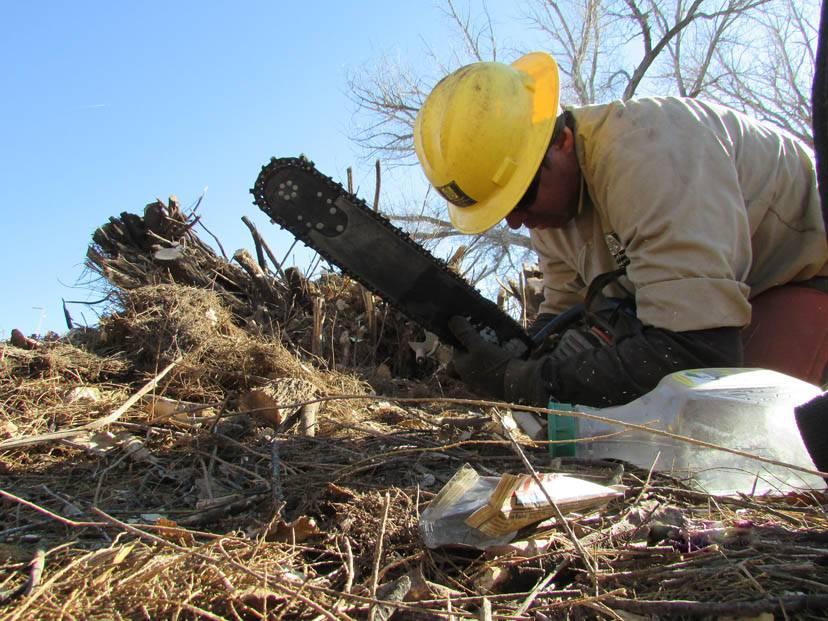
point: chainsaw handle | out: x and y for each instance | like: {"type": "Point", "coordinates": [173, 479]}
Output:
{"type": "Point", "coordinates": [558, 324]}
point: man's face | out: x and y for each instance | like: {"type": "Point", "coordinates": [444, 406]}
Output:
{"type": "Point", "coordinates": [552, 199]}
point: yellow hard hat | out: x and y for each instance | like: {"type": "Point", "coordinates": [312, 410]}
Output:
{"type": "Point", "coordinates": [482, 133]}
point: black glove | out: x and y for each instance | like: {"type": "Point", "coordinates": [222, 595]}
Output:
{"type": "Point", "coordinates": [489, 369]}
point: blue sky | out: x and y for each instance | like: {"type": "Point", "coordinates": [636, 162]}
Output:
{"type": "Point", "coordinates": [108, 105]}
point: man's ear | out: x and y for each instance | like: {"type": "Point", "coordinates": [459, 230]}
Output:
{"type": "Point", "coordinates": [564, 145]}
{"type": "Point", "coordinates": [565, 142]}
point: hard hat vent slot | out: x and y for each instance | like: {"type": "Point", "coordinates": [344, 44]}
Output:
{"type": "Point", "coordinates": [504, 171]}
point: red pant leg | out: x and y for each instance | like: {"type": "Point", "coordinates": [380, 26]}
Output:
{"type": "Point", "coordinates": [788, 332]}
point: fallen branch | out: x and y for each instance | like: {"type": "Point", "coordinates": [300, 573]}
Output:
{"type": "Point", "coordinates": [262, 244]}
{"type": "Point", "coordinates": [54, 516]}
{"type": "Point", "coordinates": [378, 554]}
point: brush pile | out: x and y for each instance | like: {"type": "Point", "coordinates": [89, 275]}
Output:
{"type": "Point", "coordinates": [213, 450]}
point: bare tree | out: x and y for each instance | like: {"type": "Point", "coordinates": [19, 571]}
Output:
{"type": "Point", "coordinates": [767, 72]}
{"type": "Point", "coordinates": [388, 98]}
{"type": "Point", "coordinates": [580, 34]}
{"type": "Point", "coordinates": [610, 49]}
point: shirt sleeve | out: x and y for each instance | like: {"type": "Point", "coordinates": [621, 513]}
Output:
{"type": "Point", "coordinates": [670, 191]}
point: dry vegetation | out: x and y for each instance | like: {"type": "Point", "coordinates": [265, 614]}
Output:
{"type": "Point", "coordinates": [190, 503]}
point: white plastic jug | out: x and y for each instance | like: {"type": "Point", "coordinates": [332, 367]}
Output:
{"type": "Point", "coordinates": [751, 410]}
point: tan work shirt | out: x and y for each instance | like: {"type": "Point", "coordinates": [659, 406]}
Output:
{"type": "Point", "coordinates": [712, 207]}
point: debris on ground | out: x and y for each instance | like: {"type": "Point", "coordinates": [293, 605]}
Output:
{"type": "Point", "coordinates": [485, 511]}
{"type": "Point", "coordinates": [215, 449]}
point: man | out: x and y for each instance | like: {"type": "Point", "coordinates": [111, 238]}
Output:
{"type": "Point", "coordinates": [692, 211]}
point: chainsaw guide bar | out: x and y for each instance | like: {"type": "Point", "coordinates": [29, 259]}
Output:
{"type": "Point", "coordinates": [383, 258]}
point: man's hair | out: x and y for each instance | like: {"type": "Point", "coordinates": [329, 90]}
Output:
{"type": "Point", "coordinates": [565, 119]}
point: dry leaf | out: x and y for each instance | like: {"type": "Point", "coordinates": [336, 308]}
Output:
{"type": "Point", "coordinates": [83, 393]}
{"type": "Point", "coordinates": [103, 442]}
{"type": "Point", "coordinates": [170, 530]}
{"type": "Point", "coordinates": [490, 578]}
{"type": "Point", "coordinates": [297, 531]}
{"type": "Point", "coordinates": [267, 403]}
{"type": "Point", "coordinates": [262, 405]}
{"type": "Point", "coordinates": [135, 448]}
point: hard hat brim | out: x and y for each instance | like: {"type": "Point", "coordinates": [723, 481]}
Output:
{"type": "Point", "coordinates": [483, 215]}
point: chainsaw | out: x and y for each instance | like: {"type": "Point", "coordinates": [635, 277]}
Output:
{"type": "Point", "coordinates": [383, 258]}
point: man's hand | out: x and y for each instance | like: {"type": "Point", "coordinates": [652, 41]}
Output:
{"type": "Point", "coordinates": [490, 370]}
{"type": "Point", "coordinates": [482, 366]}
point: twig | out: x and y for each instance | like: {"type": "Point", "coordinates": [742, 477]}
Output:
{"type": "Point", "coordinates": [585, 556]}
{"type": "Point", "coordinates": [289, 250]}
{"type": "Point", "coordinates": [67, 316]}
{"type": "Point", "coordinates": [76, 524]}
{"type": "Point", "coordinates": [732, 500]}
{"type": "Point", "coordinates": [72, 507]}
{"type": "Point", "coordinates": [97, 424]}
{"type": "Point", "coordinates": [258, 275]}
{"type": "Point", "coordinates": [582, 601]}
{"type": "Point", "coordinates": [262, 244]}
{"type": "Point", "coordinates": [377, 186]}
{"type": "Point", "coordinates": [21, 529]}
{"type": "Point", "coordinates": [647, 481]}
{"type": "Point", "coordinates": [540, 586]}
{"type": "Point", "coordinates": [476, 600]}
{"type": "Point", "coordinates": [378, 551]}
{"type": "Point", "coordinates": [199, 612]}
{"type": "Point", "coordinates": [212, 514]}
{"type": "Point", "coordinates": [35, 571]}
{"type": "Point", "coordinates": [18, 613]}
{"type": "Point", "coordinates": [190, 408]}
{"type": "Point", "coordinates": [317, 259]}
{"type": "Point", "coordinates": [485, 610]}
{"type": "Point", "coordinates": [604, 609]}
{"type": "Point", "coordinates": [349, 567]}
{"type": "Point", "coordinates": [277, 496]}
{"type": "Point", "coordinates": [219, 412]}
{"type": "Point", "coordinates": [257, 241]}
{"type": "Point", "coordinates": [46, 512]}
{"type": "Point", "coordinates": [215, 239]}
